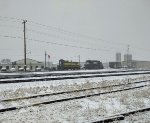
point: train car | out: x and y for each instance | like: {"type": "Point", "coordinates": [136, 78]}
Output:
{"type": "Point", "coordinates": [93, 64]}
{"type": "Point", "coordinates": [66, 65]}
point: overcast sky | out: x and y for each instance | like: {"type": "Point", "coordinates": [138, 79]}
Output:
{"type": "Point", "coordinates": [93, 29]}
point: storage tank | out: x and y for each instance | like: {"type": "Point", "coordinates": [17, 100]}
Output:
{"type": "Point", "coordinates": [118, 57]}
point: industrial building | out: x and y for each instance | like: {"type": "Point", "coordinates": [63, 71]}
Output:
{"type": "Point", "coordinates": [118, 57]}
{"type": "Point", "coordinates": [5, 67]}
{"type": "Point", "coordinates": [137, 64]}
{"type": "Point", "coordinates": [31, 65]}
{"type": "Point", "coordinates": [128, 57]}
{"type": "Point", "coordinates": [116, 64]}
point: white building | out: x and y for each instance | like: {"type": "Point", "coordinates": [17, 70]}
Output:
{"type": "Point", "coordinates": [31, 64]}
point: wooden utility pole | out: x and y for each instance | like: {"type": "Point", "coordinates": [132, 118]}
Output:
{"type": "Point", "coordinates": [79, 59]}
{"type": "Point", "coordinates": [128, 46]}
{"type": "Point", "coordinates": [24, 23]}
{"type": "Point", "coordinates": [45, 59]}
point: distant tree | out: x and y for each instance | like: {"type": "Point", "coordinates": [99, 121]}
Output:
{"type": "Point", "coordinates": [5, 61]}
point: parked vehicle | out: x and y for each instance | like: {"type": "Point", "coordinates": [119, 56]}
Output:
{"type": "Point", "coordinates": [3, 70]}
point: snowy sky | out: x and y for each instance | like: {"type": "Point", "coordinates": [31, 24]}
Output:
{"type": "Point", "coordinates": [93, 29]}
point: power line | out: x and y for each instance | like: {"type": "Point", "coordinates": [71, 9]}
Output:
{"type": "Point", "coordinates": [80, 35]}
{"type": "Point", "coordinates": [10, 54]}
{"type": "Point", "coordinates": [66, 32]}
{"type": "Point", "coordinates": [11, 18]}
{"type": "Point", "coordinates": [63, 31]}
{"type": "Point", "coordinates": [62, 38]}
{"type": "Point", "coordinates": [60, 44]}
{"type": "Point", "coordinates": [48, 34]}
{"type": "Point", "coordinates": [70, 40]}
{"type": "Point", "coordinates": [29, 44]}
{"type": "Point", "coordinates": [70, 33]}
{"type": "Point", "coordinates": [66, 45]}
{"type": "Point", "coordinates": [11, 49]}
{"type": "Point", "coordinates": [10, 26]}
{"type": "Point", "coordinates": [9, 36]}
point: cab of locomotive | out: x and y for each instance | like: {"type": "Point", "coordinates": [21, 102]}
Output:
{"type": "Point", "coordinates": [61, 64]}
{"type": "Point", "coordinates": [87, 64]}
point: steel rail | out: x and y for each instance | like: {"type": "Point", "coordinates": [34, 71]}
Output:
{"type": "Point", "coordinates": [71, 77]}
{"type": "Point", "coordinates": [61, 74]}
{"type": "Point", "coordinates": [72, 91]}
{"type": "Point", "coordinates": [120, 116]}
{"type": "Point", "coordinates": [68, 99]}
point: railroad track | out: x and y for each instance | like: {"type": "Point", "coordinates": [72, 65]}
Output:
{"type": "Point", "coordinates": [3, 81]}
{"type": "Point", "coordinates": [27, 75]}
{"type": "Point", "coordinates": [67, 92]}
{"type": "Point", "coordinates": [120, 116]}
{"type": "Point", "coordinates": [70, 95]}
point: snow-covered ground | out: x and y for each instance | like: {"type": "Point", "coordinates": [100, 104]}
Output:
{"type": "Point", "coordinates": [29, 88]}
{"type": "Point", "coordinates": [143, 117]}
{"type": "Point", "coordinates": [82, 110]}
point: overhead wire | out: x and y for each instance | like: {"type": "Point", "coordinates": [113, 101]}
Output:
{"type": "Point", "coordinates": [79, 35]}
{"type": "Point", "coordinates": [62, 31]}
{"type": "Point", "coordinates": [54, 28]}
{"type": "Point", "coordinates": [70, 33]}
{"type": "Point", "coordinates": [11, 26]}
{"type": "Point", "coordinates": [65, 31]}
{"type": "Point", "coordinates": [29, 45]}
{"type": "Point", "coordinates": [9, 36]}
{"type": "Point", "coordinates": [67, 39]}
{"type": "Point", "coordinates": [11, 18]}
{"type": "Point", "coordinates": [60, 44]}
{"type": "Point", "coordinates": [66, 45]}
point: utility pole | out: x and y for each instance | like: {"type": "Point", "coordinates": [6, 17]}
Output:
{"type": "Point", "coordinates": [79, 59]}
{"type": "Point", "coordinates": [128, 46]}
{"type": "Point", "coordinates": [45, 59]}
{"type": "Point", "coordinates": [24, 23]}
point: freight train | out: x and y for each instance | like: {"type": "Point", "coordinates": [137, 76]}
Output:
{"type": "Point", "coordinates": [89, 64]}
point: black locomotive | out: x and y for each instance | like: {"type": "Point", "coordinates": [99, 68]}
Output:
{"type": "Point", "coordinates": [93, 64]}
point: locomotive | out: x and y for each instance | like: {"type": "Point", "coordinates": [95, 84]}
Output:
{"type": "Point", "coordinates": [69, 65]}
{"type": "Point", "coordinates": [93, 64]}
{"type": "Point", "coordinates": [66, 65]}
